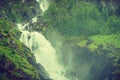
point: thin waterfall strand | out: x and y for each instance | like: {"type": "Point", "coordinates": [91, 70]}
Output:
{"type": "Point", "coordinates": [43, 4]}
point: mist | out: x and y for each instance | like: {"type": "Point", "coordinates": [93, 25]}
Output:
{"type": "Point", "coordinates": [60, 40]}
{"type": "Point", "coordinates": [79, 62]}
{"type": "Point", "coordinates": [66, 31]}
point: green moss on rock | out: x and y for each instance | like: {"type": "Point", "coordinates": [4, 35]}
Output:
{"type": "Point", "coordinates": [107, 39]}
{"type": "Point", "coordinates": [14, 63]}
{"type": "Point", "coordinates": [94, 42]}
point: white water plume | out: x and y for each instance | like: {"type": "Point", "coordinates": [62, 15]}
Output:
{"type": "Point", "coordinates": [43, 4]}
{"type": "Point", "coordinates": [44, 53]}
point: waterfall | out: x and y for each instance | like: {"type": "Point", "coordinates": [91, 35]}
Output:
{"type": "Point", "coordinates": [43, 4]}
{"type": "Point", "coordinates": [44, 53]}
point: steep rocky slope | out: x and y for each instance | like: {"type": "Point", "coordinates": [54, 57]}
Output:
{"type": "Point", "coordinates": [16, 60]}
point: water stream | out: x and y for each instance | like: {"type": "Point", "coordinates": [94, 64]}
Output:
{"type": "Point", "coordinates": [44, 53]}
{"type": "Point", "coordinates": [44, 4]}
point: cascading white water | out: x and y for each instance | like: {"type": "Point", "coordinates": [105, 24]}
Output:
{"type": "Point", "coordinates": [43, 4]}
{"type": "Point", "coordinates": [43, 51]}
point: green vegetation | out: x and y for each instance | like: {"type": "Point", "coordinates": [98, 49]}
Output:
{"type": "Point", "coordinates": [73, 18]}
{"type": "Point", "coordinates": [18, 10]}
{"type": "Point", "coordinates": [6, 24]}
{"type": "Point", "coordinates": [88, 26]}
{"type": "Point", "coordinates": [16, 60]}
{"type": "Point", "coordinates": [14, 55]}
{"type": "Point", "coordinates": [19, 61]}
{"type": "Point", "coordinates": [93, 42]}
{"type": "Point", "coordinates": [107, 39]}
